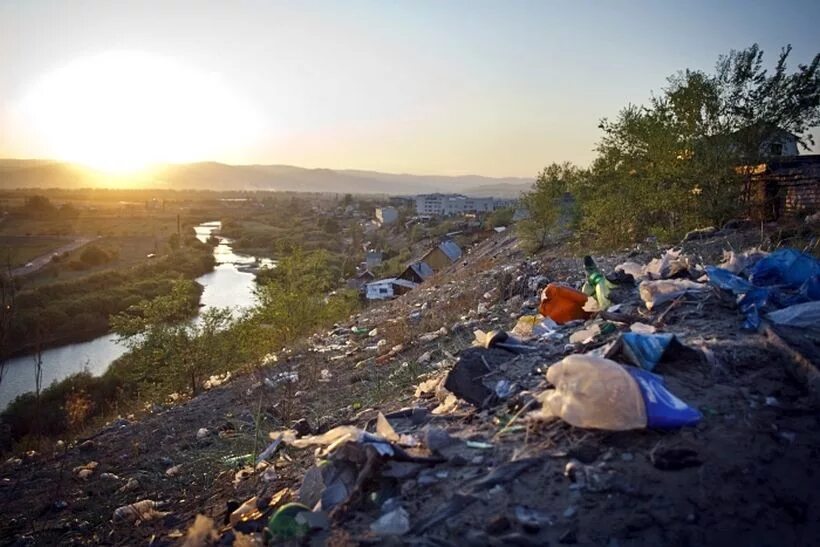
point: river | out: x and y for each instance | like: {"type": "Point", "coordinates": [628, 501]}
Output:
{"type": "Point", "coordinates": [229, 285]}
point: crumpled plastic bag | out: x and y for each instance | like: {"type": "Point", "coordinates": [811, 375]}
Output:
{"type": "Point", "coordinates": [336, 437]}
{"type": "Point", "coordinates": [805, 315]}
{"type": "Point", "coordinates": [592, 392]}
{"type": "Point", "coordinates": [740, 262]}
{"type": "Point", "coordinates": [669, 265]}
{"type": "Point", "coordinates": [654, 293]}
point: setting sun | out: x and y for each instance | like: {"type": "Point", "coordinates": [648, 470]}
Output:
{"type": "Point", "coordinates": [121, 112]}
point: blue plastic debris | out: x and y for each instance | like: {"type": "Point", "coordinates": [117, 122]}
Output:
{"type": "Point", "coordinates": [788, 267]}
{"type": "Point", "coordinates": [663, 409]}
{"type": "Point", "coordinates": [643, 350]}
{"type": "Point", "coordinates": [784, 278]}
{"type": "Point", "coordinates": [805, 315]}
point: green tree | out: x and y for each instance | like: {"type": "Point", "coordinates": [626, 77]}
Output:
{"type": "Point", "coordinates": [500, 217]}
{"type": "Point", "coordinates": [162, 341]}
{"type": "Point", "coordinates": [173, 241]}
{"type": "Point", "coordinates": [680, 162]}
{"type": "Point", "coordinates": [548, 205]}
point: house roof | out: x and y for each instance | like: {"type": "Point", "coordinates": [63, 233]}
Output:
{"type": "Point", "coordinates": [765, 129]}
{"type": "Point", "coordinates": [451, 249]}
{"type": "Point", "coordinates": [422, 269]}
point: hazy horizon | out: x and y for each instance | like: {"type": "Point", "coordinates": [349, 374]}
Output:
{"type": "Point", "coordinates": [422, 88]}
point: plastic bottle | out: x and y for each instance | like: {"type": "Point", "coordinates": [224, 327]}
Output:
{"type": "Point", "coordinates": [562, 304]}
{"type": "Point", "coordinates": [597, 284]}
{"type": "Point", "coordinates": [593, 392]}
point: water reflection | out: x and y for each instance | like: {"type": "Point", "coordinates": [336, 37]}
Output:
{"type": "Point", "coordinates": [230, 285]}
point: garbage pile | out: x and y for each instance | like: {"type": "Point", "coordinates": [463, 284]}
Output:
{"type": "Point", "coordinates": [590, 356]}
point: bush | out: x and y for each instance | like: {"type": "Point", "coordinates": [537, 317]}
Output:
{"type": "Point", "coordinates": [94, 256]}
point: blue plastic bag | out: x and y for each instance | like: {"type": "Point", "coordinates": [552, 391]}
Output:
{"type": "Point", "coordinates": [643, 350]}
{"type": "Point", "coordinates": [726, 280]}
{"type": "Point", "coordinates": [663, 409]}
{"type": "Point", "coordinates": [787, 267]}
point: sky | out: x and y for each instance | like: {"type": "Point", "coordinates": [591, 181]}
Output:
{"type": "Point", "coordinates": [426, 87]}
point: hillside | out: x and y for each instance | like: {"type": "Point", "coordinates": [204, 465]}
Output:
{"type": "Point", "coordinates": [454, 472]}
{"type": "Point", "coordinates": [219, 176]}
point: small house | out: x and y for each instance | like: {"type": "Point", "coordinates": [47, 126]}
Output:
{"type": "Point", "coordinates": [384, 289]}
{"type": "Point", "coordinates": [417, 272]}
{"type": "Point", "coordinates": [361, 280]}
{"type": "Point", "coordinates": [444, 255]}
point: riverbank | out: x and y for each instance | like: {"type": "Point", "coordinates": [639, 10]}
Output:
{"type": "Point", "coordinates": [488, 475]}
{"type": "Point", "coordinates": [170, 358]}
{"type": "Point", "coordinates": [229, 282]}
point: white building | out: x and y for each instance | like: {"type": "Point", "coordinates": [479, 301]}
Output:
{"type": "Point", "coordinates": [456, 204]}
{"type": "Point", "coordinates": [388, 288]}
{"type": "Point", "coordinates": [387, 215]}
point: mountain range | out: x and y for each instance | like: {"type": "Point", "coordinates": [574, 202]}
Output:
{"type": "Point", "coordinates": [16, 173]}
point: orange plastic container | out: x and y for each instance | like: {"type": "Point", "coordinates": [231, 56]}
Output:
{"type": "Point", "coordinates": [562, 304]}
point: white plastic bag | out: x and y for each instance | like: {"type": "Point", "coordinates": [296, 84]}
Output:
{"type": "Point", "coordinates": [593, 392]}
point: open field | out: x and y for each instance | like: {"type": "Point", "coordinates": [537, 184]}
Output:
{"type": "Point", "coordinates": [19, 250]}
{"type": "Point", "coordinates": [125, 252]}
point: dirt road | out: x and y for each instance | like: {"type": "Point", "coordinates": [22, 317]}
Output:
{"type": "Point", "coordinates": [44, 259]}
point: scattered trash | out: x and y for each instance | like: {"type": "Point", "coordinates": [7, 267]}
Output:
{"type": "Point", "coordinates": [173, 471]}
{"type": "Point", "coordinates": [585, 336]}
{"type": "Point", "coordinates": [141, 511]}
{"type": "Point", "coordinates": [238, 514]}
{"type": "Point", "coordinates": [562, 304]}
{"type": "Point", "coordinates": [202, 433]}
{"type": "Point", "coordinates": [738, 263]}
{"type": "Point", "coordinates": [394, 523]}
{"type": "Point", "coordinates": [525, 325]}
{"type": "Point", "coordinates": [271, 448]}
{"type": "Point", "coordinates": [642, 328]}
{"type": "Point", "coordinates": [783, 279]}
{"type": "Point", "coordinates": [596, 284]}
{"type": "Point", "coordinates": [500, 339]}
{"type": "Point", "coordinates": [592, 392]}
{"type": "Point", "coordinates": [480, 445]}
{"type": "Point", "coordinates": [465, 379]}
{"type": "Point", "coordinates": [337, 437]}
{"type": "Point", "coordinates": [284, 525]}
{"type": "Point", "coordinates": [672, 264]}
{"type": "Point", "coordinates": [655, 293]}
{"type": "Point", "coordinates": [244, 473]}
{"type": "Point", "coordinates": [663, 409]}
{"type": "Point", "coordinates": [805, 315]}
{"type": "Point", "coordinates": [644, 350]}
{"type": "Point", "coordinates": [544, 327]}
{"type": "Point", "coordinates": [632, 269]}
{"type": "Point", "coordinates": [202, 532]}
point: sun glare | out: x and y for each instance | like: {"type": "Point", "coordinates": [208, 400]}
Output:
{"type": "Point", "coordinates": [121, 112]}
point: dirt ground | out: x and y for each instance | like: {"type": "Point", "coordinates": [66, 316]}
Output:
{"type": "Point", "coordinates": [743, 476]}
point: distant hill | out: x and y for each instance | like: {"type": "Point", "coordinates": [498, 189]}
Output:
{"type": "Point", "coordinates": [218, 176]}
